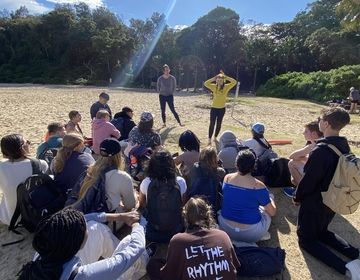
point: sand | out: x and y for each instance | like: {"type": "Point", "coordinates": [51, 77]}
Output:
{"type": "Point", "coordinates": [28, 109]}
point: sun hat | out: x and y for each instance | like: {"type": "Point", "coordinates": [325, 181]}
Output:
{"type": "Point", "coordinates": [110, 147]}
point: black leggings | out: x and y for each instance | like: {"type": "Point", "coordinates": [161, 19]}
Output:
{"type": "Point", "coordinates": [170, 101]}
{"type": "Point", "coordinates": [216, 115]}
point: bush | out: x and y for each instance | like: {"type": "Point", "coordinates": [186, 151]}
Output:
{"type": "Point", "coordinates": [319, 86]}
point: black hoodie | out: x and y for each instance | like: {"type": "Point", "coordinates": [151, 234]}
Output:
{"type": "Point", "coordinates": [128, 124]}
{"type": "Point", "coordinates": [319, 171]}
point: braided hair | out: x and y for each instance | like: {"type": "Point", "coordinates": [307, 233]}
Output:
{"type": "Point", "coordinates": [57, 239]}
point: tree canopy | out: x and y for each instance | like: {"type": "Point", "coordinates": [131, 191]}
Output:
{"type": "Point", "coordinates": [75, 44]}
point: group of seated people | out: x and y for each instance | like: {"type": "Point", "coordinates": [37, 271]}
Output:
{"type": "Point", "coordinates": [200, 202]}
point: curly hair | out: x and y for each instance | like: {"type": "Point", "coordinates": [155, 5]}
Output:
{"type": "Point", "coordinates": [161, 166]}
{"type": "Point", "coordinates": [57, 239]}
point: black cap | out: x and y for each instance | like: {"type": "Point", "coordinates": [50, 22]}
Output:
{"type": "Point", "coordinates": [104, 95]}
{"type": "Point", "coordinates": [110, 147]}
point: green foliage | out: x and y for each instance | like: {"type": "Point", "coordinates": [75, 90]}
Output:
{"type": "Point", "coordinates": [73, 41]}
{"type": "Point", "coordinates": [318, 86]}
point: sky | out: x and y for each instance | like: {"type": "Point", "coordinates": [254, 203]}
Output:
{"type": "Point", "coordinates": [179, 12]}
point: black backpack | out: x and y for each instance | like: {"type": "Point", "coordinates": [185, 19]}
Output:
{"type": "Point", "coordinates": [260, 261]}
{"type": "Point", "coordinates": [206, 185]}
{"type": "Point", "coordinates": [119, 123]}
{"type": "Point", "coordinates": [95, 198]}
{"type": "Point", "coordinates": [37, 197]}
{"type": "Point", "coordinates": [164, 205]}
{"type": "Point", "coordinates": [264, 161]}
{"type": "Point", "coordinates": [278, 175]}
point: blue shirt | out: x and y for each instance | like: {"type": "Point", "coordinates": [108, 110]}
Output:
{"type": "Point", "coordinates": [241, 205]}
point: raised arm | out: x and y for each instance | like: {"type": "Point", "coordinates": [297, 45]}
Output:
{"type": "Point", "coordinates": [209, 83]}
{"type": "Point", "coordinates": [232, 82]}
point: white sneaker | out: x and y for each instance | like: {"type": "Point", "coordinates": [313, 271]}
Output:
{"type": "Point", "coordinates": [354, 268]}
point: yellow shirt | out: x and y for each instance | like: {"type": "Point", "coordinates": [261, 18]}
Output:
{"type": "Point", "coordinates": [219, 96]}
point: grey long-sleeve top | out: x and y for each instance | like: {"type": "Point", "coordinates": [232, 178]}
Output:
{"type": "Point", "coordinates": [166, 86]}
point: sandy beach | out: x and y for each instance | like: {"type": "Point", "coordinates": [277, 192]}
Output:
{"type": "Point", "coordinates": [28, 109]}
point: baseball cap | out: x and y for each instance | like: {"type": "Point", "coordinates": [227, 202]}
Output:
{"type": "Point", "coordinates": [146, 117]}
{"type": "Point", "coordinates": [110, 147]}
{"type": "Point", "coordinates": [258, 128]}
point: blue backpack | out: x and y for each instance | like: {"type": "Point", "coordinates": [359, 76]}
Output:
{"type": "Point", "coordinates": [207, 185]}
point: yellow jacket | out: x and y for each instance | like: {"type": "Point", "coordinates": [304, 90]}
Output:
{"type": "Point", "coordinates": [219, 96]}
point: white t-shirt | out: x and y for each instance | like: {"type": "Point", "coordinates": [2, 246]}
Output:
{"type": "Point", "coordinates": [146, 182]}
{"type": "Point", "coordinates": [11, 175]}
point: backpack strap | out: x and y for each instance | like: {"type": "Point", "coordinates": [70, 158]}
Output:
{"type": "Point", "coordinates": [262, 144]}
{"type": "Point", "coordinates": [36, 169]}
{"type": "Point", "coordinates": [36, 166]}
{"type": "Point", "coordinates": [333, 148]}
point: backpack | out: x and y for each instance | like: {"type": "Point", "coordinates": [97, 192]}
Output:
{"type": "Point", "coordinates": [343, 194]}
{"type": "Point", "coordinates": [119, 123]}
{"type": "Point", "coordinates": [95, 198]}
{"type": "Point", "coordinates": [37, 197]}
{"type": "Point", "coordinates": [264, 162]}
{"type": "Point", "coordinates": [48, 155]}
{"type": "Point", "coordinates": [137, 159]}
{"type": "Point", "coordinates": [260, 261]}
{"type": "Point", "coordinates": [278, 174]}
{"type": "Point", "coordinates": [164, 205]}
{"type": "Point", "coordinates": [206, 185]}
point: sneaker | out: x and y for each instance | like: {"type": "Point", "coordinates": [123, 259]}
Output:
{"type": "Point", "coordinates": [289, 191]}
{"type": "Point", "coordinates": [151, 249]}
{"type": "Point", "coordinates": [266, 236]}
{"type": "Point", "coordinates": [354, 268]}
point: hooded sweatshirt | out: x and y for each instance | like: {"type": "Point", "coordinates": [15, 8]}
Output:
{"type": "Point", "coordinates": [228, 150]}
{"type": "Point", "coordinates": [102, 129]}
{"type": "Point", "coordinates": [127, 126]}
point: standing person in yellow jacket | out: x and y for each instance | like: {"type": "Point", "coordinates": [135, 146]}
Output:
{"type": "Point", "coordinates": [219, 90]}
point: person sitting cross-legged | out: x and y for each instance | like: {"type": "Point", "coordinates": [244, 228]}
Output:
{"type": "Point", "coordinates": [247, 204]}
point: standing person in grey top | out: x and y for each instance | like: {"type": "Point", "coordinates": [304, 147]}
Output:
{"type": "Point", "coordinates": [166, 86]}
